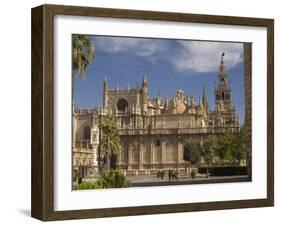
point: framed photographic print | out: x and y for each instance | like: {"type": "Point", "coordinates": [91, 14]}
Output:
{"type": "Point", "coordinates": [141, 112]}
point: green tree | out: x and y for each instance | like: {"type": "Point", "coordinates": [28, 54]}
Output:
{"type": "Point", "coordinates": [225, 147]}
{"type": "Point", "coordinates": [192, 152]}
{"type": "Point", "coordinates": [82, 54]}
{"type": "Point", "coordinates": [240, 150]}
{"type": "Point", "coordinates": [232, 146]}
{"type": "Point", "coordinates": [209, 146]}
{"type": "Point", "coordinates": [110, 140]}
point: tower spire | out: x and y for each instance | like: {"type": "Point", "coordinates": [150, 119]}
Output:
{"type": "Point", "coordinates": [144, 94]}
{"type": "Point", "coordinates": [203, 94]}
{"type": "Point", "coordinates": [105, 83]}
{"type": "Point", "coordinates": [144, 82]}
{"type": "Point", "coordinates": [222, 70]}
{"type": "Point", "coordinates": [105, 94]}
{"type": "Point", "coordinates": [222, 55]}
{"type": "Point", "coordinates": [204, 98]}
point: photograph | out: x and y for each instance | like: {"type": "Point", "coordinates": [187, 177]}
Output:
{"type": "Point", "coordinates": [140, 112]}
{"type": "Point", "coordinates": [158, 112]}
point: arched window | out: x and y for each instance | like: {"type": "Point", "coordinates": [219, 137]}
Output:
{"type": "Point", "coordinates": [122, 104]}
{"type": "Point", "coordinates": [87, 133]}
{"type": "Point", "coordinates": [222, 95]}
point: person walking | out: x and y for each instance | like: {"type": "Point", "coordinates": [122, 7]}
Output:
{"type": "Point", "coordinates": [170, 175]}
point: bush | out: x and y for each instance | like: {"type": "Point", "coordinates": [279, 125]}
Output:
{"type": "Point", "coordinates": [160, 174]}
{"type": "Point", "coordinates": [175, 174]}
{"type": "Point", "coordinates": [84, 185]}
{"type": "Point", "coordinates": [112, 179]}
{"type": "Point", "coordinates": [109, 179]}
{"type": "Point", "coordinates": [192, 174]}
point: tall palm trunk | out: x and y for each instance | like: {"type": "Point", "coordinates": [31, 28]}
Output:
{"type": "Point", "coordinates": [107, 161]}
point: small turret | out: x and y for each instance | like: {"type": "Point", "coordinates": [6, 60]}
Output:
{"type": "Point", "coordinates": [174, 109]}
{"type": "Point", "coordinates": [158, 98]}
{"type": "Point", "coordinates": [200, 102]}
{"type": "Point", "coordinates": [204, 98]}
{"type": "Point", "coordinates": [192, 101]}
{"type": "Point", "coordinates": [105, 84]}
{"type": "Point", "coordinates": [144, 82]}
{"type": "Point", "coordinates": [138, 102]}
{"type": "Point", "coordinates": [144, 94]}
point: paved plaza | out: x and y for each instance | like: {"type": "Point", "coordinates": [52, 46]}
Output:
{"type": "Point", "coordinates": [152, 180]}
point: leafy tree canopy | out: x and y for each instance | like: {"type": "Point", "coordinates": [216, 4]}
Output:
{"type": "Point", "coordinates": [82, 54]}
{"type": "Point", "coordinates": [192, 152]}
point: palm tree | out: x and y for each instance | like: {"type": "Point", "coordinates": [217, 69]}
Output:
{"type": "Point", "coordinates": [83, 54]}
{"type": "Point", "coordinates": [110, 140]}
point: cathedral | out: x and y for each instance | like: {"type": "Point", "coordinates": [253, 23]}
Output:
{"type": "Point", "coordinates": [152, 130]}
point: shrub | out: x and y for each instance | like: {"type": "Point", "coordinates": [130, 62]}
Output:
{"type": "Point", "coordinates": [84, 185]}
{"type": "Point", "coordinates": [160, 174]}
{"type": "Point", "coordinates": [175, 174]}
{"type": "Point", "coordinates": [112, 179]}
{"type": "Point", "coordinates": [109, 179]}
{"type": "Point", "coordinates": [192, 174]}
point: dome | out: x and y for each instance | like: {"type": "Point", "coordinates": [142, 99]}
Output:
{"type": "Point", "coordinates": [181, 107]}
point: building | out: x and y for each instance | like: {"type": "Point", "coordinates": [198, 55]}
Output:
{"type": "Point", "coordinates": [152, 130]}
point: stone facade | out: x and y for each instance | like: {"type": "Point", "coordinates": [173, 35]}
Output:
{"type": "Point", "coordinates": [152, 130]}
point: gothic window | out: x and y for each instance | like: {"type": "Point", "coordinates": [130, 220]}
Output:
{"type": "Point", "coordinates": [87, 133]}
{"type": "Point", "coordinates": [122, 104]}
{"type": "Point", "coordinates": [222, 95]}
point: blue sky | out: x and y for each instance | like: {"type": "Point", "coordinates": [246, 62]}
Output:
{"type": "Point", "coordinates": [169, 64]}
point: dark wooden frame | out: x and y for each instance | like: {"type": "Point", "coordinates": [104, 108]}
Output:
{"type": "Point", "coordinates": [42, 203]}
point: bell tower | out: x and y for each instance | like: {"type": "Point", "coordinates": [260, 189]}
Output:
{"type": "Point", "coordinates": [223, 90]}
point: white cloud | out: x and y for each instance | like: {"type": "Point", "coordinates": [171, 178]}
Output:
{"type": "Point", "coordinates": [187, 56]}
{"type": "Point", "coordinates": [201, 56]}
{"type": "Point", "coordinates": [149, 48]}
